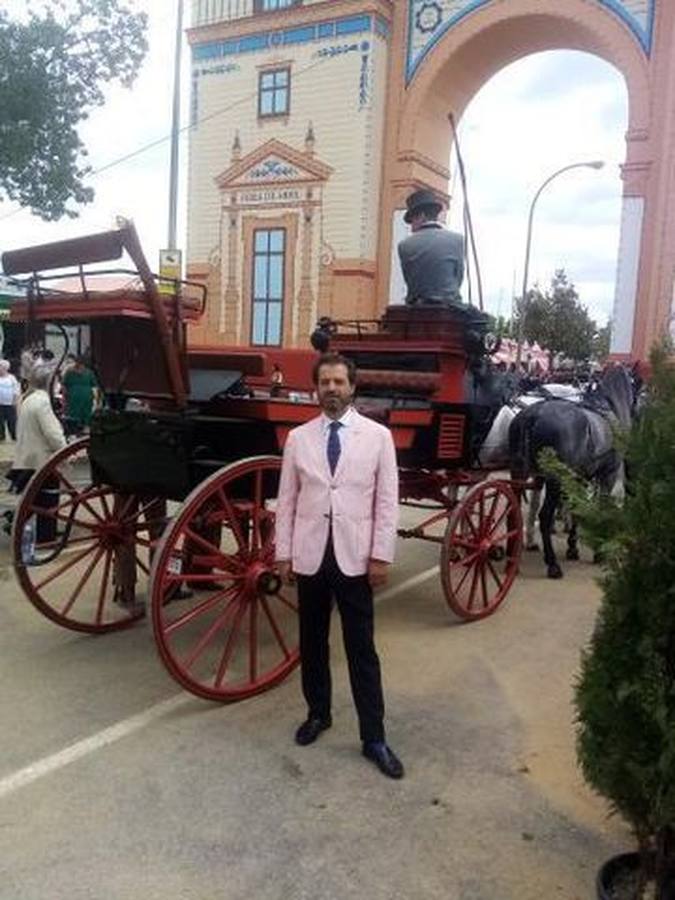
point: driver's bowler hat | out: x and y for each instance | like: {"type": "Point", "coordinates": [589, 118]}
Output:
{"type": "Point", "coordinates": [422, 199]}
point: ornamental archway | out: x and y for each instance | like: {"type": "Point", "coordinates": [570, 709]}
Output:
{"type": "Point", "coordinates": [445, 50]}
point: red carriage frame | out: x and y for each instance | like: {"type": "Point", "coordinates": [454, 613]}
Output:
{"type": "Point", "coordinates": [203, 554]}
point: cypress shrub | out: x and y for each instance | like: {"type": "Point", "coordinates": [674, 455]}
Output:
{"type": "Point", "coordinates": [625, 692]}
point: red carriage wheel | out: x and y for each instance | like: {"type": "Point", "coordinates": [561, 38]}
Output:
{"type": "Point", "coordinates": [231, 631]}
{"type": "Point", "coordinates": [481, 549]}
{"type": "Point", "coordinates": [82, 550]}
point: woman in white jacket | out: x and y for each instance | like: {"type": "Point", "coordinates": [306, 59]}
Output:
{"type": "Point", "coordinates": [39, 435]}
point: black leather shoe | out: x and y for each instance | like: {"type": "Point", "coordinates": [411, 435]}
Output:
{"type": "Point", "coordinates": [310, 730]}
{"type": "Point", "coordinates": [385, 759]}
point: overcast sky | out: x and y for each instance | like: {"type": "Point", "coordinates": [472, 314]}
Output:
{"type": "Point", "coordinates": [523, 125]}
{"type": "Point", "coordinates": [536, 116]}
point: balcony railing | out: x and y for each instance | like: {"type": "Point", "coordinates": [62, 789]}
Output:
{"type": "Point", "coordinates": [206, 12]}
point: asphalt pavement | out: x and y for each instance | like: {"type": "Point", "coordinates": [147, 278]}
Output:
{"type": "Point", "coordinates": [115, 785]}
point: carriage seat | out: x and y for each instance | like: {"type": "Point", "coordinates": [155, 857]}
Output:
{"type": "Point", "coordinates": [398, 380]}
{"type": "Point", "coordinates": [463, 327]}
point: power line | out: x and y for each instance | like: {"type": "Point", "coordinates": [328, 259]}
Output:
{"type": "Point", "coordinates": [159, 141]}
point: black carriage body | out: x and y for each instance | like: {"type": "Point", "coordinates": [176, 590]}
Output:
{"type": "Point", "coordinates": [166, 454]}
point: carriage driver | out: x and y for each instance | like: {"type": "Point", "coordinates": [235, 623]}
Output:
{"type": "Point", "coordinates": [432, 258]}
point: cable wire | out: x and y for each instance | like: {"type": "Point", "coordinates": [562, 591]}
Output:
{"type": "Point", "coordinates": [159, 141]}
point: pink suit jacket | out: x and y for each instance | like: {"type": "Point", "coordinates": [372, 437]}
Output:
{"type": "Point", "coordinates": [361, 498]}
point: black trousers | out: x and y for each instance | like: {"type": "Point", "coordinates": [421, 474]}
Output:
{"type": "Point", "coordinates": [8, 420]}
{"type": "Point", "coordinates": [354, 598]}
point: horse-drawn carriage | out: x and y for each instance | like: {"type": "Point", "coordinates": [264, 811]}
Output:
{"type": "Point", "coordinates": [168, 506]}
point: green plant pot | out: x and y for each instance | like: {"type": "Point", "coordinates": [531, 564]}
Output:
{"type": "Point", "coordinates": [620, 867]}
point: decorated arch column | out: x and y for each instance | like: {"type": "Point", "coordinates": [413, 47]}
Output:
{"type": "Point", "coordinates": [445, 50]}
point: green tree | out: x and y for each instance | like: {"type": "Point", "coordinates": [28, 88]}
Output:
{"type": "Point", "coordinates": [625, 694]}
{"type": "Point", "coordinates": [557, 320]}
{"type": "Point", "coordinates": [501, 326]}
{"type": "Point", "coordinates": [54, 64]}
{"type": "Point", "coordinates": [601, 341]}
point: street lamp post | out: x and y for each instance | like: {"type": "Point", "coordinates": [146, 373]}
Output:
{"type": "Point", "coordinates": [175, 131]}
{"type": "Point", "coordinates": [596, 164]}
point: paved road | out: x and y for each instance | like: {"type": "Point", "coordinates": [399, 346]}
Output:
{"type": "Point", "coordinates": [190, 800]}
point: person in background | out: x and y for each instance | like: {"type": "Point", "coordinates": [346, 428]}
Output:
{"type": "Point", "coordinates": [25, 366]}
{"type": "Point", "coordinates": [10, 391]}
{"type": "Point", "coordinates": [336, 519]}
{"type": "Point", "coordinates": [79, 392]}
{"type": "Point", "coordinates": [39, 435]}
{"type": "Point", "coordinates": [276, 381]}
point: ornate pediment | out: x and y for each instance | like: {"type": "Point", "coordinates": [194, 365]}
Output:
{"type": "Point", "coordinates": [273, 164]}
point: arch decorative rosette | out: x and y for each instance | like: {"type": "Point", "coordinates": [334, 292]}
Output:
{"type": "Point", "coordinates": [429, 20]}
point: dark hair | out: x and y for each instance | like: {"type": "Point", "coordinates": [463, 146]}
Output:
{"type": "Point", "coordinates": [334, 359]}
{"type": "Point", "coordinates": [430, 211]}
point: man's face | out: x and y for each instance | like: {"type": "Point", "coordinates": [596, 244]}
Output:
{"type": "Point", "coordinates": [334, 390]}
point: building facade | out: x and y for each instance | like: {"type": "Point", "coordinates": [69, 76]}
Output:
{"type": "Point", "coordinates": [288, 109]}
{"type": "Point", "coordinates": [313, 119]}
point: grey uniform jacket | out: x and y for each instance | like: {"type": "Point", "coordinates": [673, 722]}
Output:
{"type": "Point", "coordinates": [432, 260]}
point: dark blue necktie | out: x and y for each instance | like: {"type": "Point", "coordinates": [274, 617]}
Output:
{"type": "Point", "coordinates": [333, 446]}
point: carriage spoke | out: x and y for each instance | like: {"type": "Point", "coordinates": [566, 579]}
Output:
{"type": "Point", "coordinates": [142, 565]}
{"type": "Point", "coordinates": [275, 627]}
{"type": "Point", "coordinates": [104, 587]}
{"type": "Point", "coordinates": [502, 516]}
{"type": "Point", "coordinates": [474, 584]}
{"type": "Point", "coordinates": [64, 568]}
{"type": "Point", "coordinates": [70, 502]}
{"type": "Point", "coordinates": [256, 536]}
{"type": "Point", "coordinates": [224, 560]}
{"type": "Point", "coordinates": [467, 518]}
{"type": "Point", "coordinates": [90, 539]}
{"type": "Point", "coordinates": [53, 514]}
{"type": "Point", "coordinates": [82, 498]}
{"type": "Point", "coordinates": [122, 512]}
{"type": "Point", "coordinates": [200, 577]}
{"type": "Point", "coordinates": [253, 641]}
{"type": "Point", "coordinates": [106, 509]}
{"type": "Point", "coordinates": [493, 508]}
{"type": "Point", "coordinates": [196, 611]}
{"type": "Point", "coordinates": [232, 519]}
{"type": "Point", "coordinates": [211, 632]}
{"type": "Point", "coordinates": [466, 562]}
{"type": "Point", "coordinates": [141, 511]}
{"type": "Point", "coordinates": [494, 574]}
{"type": "Point", "coordinates": [229, 646]}
{"type": "Point", "coordinates": [288, 603]}
{"type": "Point", "coordinates": [207, 545]}
{"type": "Point", "coordinates": [81, 583]}
{"type": "Point", "coordinates": [463, 543]}
{"type": "Point", "coordinates": [483, 584]}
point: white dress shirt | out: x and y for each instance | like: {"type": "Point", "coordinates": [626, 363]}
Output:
{"type": "Point", "coordinates": [342, 432]}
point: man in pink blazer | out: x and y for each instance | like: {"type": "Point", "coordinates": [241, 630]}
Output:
{"type": "Point", "coordinates": [336, 520]}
